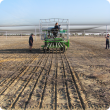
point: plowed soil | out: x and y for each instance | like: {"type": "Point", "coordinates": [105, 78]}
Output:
{"type": "Point", "coordinates": [78, 79]}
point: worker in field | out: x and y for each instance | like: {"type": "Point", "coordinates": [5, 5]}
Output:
{"type": "Point", "coordinates": [107, 41]}
{"type": "Point", "coordinates": [57, 26]}
{"type": "Point", "coordinates": [56, 29]}
{"type": "Point", "coordinates": [31, 42]}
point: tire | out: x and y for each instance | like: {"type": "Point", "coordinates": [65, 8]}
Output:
{"type": "Point", "coordinates": [45, 50]}
{"type": "Point", "coordinates": [63, 49]}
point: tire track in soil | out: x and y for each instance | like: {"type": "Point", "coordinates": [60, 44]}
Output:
{"type": "Point", "coordinates": [27, 81]}
{"type": "Point", "coordinates": [44, 82]}
{"type": "Point", "coordinates": [16, 68]}
{"type": "Point", "coordinates": [62, 98]}
{"type": "Point", "coordinates": [45, 85]}
{"type": "Point", "coordinates": [53, 75]}
{"type": "Point", "coordinates": [80, 95]}
{"type": "Point", "coordinates": [41, 84]}
{"type": "Point", "coordinates": [41, 98]}
{"type": "Point", "coordinates": [35, 86]}
{"type": "Point", "coordinates": [94, 94]}
{"type": "Point", "coordinates": [48, 101]}
{"type": "Point", "coordinates": [15, 81]}
{"type": "Point", "coordinates": [13, 78]}
{"type": "Point", "coordinates": [98, 95]}
{"type": "Point", "coordinates": [56, 66]}
{"type": "Point", "coordinates": [66, 84]}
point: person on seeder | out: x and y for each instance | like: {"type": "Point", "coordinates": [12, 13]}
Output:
{"type": "Point", "coordinates": [56, 29]}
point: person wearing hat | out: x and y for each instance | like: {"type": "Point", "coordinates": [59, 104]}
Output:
{"type": "Point", "coordinates": [31, 41]}
{"type": "Point", "coordinates": [107, 41]}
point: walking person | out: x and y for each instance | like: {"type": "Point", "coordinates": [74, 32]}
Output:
{"type": "Point", "coordinates": [31, 42]}
{"type": "Point", "coordinates": [107, 41]}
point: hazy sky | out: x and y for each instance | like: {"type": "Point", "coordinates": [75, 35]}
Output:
{"type": "Point", "coordinates": [24, 12]}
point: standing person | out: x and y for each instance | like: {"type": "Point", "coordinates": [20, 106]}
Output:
{"type": "Point", "coordinates": [107, 41]}
{"type": "Point", "coordinates": [31, 41]}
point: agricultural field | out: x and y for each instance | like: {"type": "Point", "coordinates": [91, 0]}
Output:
{"type": "Point", "coordinates": [78, 79]}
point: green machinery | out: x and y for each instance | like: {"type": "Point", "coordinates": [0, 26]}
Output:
{"type": "Point", "coordinates": [56, 38]}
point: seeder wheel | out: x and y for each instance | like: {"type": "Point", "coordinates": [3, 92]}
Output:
{"type": "Point", "coordinates": [63, 49]}
{"type": "Point", "coordinates": [45, 50]}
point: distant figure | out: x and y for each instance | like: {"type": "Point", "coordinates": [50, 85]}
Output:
{"type": "Point", "coordinates": [107, 41]}
{"type": "Point", "coordinates": [31, 42]}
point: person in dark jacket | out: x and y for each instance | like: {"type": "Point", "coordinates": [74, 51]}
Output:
{"type": "Point", "coordinates": [31, 41]}
{"type": "Point", "coordinates": [56, 29]}
{"type": "Point", "coordinates": [107, 41]}
{"type": "Point", "coordinates": [57, 26]}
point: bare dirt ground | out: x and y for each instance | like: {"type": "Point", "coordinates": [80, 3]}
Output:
{"type": "Point", "coordinates": [78, 79]}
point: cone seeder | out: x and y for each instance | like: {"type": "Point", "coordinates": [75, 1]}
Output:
{"type": "Point", "coordinates": [56, 38]}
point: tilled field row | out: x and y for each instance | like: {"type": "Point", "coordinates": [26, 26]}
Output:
{"type": "Point", "coordinates": [47, 81]}
{"type": "Point", "coordinates": [92, 69]}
